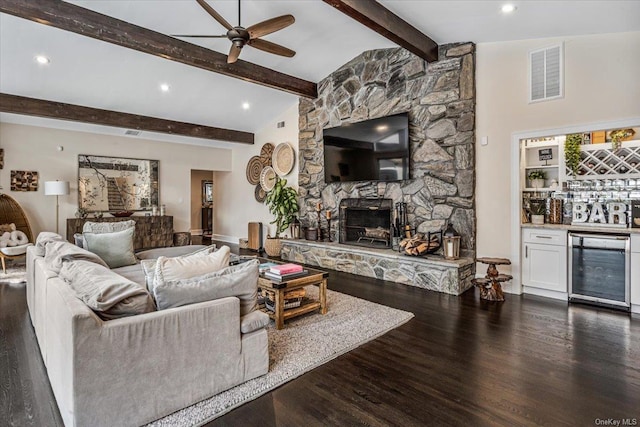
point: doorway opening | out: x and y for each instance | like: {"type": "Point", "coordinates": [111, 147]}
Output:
{"type": "Point", "coordinates": [202, 205]}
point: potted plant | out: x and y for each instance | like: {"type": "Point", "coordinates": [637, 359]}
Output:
{"type": "Point", "coordinates": [572, 152]}
{"type": "Point", "coordinates": [282, 202]}
{"type": "Point", "coordinates": [537, 208]}
{"type": "Point", "coordinates": [536, 178]}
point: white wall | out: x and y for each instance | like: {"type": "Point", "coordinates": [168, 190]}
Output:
{"type": "Point", "coordinates": [601, 84]}
{"type": "Point", "coordinates": [234, 202]}
{"type": "Point", "coordinates": [35, 149]}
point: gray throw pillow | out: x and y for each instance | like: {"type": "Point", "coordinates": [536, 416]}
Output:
{"type": "Point", "coordinates": [108, 294]}
{"type": "Point", "coordinates": [107, 227]}
{"type": "Point", "coordinates": [237, 281]}
{"type": "Point", "coordinates": [116, 249]}
{"type": "Point", "coordinates": [78, 239]}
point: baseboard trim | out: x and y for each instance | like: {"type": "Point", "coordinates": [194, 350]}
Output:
{"type": "Point", "coordinates": [197, 232]}
{"type": "Point", "coordinates": [546, 293]}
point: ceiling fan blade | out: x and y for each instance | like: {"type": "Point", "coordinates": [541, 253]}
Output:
{"type": "Point", "coordinates": [270, 25]}
{"type": "Point", "coordinates": [271, 47]}
{"type": "Point", "coordinates": [214, 14]}
{"type": "Point", "coordinates": [234, 52]}
{"type": "Point", "coordinates": [199, 36]}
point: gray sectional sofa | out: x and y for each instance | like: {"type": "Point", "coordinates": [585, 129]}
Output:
{"type": "Point", "coordinates": [133, 370]}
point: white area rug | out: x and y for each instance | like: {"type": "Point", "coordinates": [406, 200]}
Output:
{"type": "Point", "coordinates": [16, 272]}
{"type": "Point", "coordinates": [305, 343]}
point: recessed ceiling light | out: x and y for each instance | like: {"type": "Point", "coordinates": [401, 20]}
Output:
{"type": "Point", "coordinates": [245, 105]}
{"type": "Point", "coordinates": [508, 8]}
{"type": "Point", "coordinates": [382, 128]}
{"type": "Point", "coordinates": [42, 59]}
{"type": "Point", "coordinates": [164, 87]}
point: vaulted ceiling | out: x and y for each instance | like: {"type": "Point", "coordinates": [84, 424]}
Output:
{"type": "Point", "coordinates": [89, 72]}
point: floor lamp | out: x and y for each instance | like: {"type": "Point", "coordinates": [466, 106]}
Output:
{"type": "Point", "coordinates": [56, 188]}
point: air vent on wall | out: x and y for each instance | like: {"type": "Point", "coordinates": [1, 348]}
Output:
{"type": "Point", "coordinates": [546, 74]}
{"type": "Point", "coordinates": [132, 132]}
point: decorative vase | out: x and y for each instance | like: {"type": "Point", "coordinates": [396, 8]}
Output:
{"type": "Point", "coordinates": [537, 183]}
{"type": "Point", "coordinates": [272, 246]}
{"type": "Point", "coordinates": [537, 219]}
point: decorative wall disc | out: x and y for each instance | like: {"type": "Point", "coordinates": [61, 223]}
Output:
{"type": "Point", "coordinates": [268, 178]}
{"type": "Point", "coordinates": [283, 158]}
{"type": "Point", "coordinates": [260, 194]}
{"type": "Point", "coordinates": [265, 153]}
{"type": "Point", "coordinates": [254, 167]}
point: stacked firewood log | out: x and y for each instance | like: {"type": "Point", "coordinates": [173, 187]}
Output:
{"type": "Point", "coordinates": [419, 245]}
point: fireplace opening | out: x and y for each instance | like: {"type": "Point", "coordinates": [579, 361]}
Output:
{"type": "Point", "coordinates": [366, 222]}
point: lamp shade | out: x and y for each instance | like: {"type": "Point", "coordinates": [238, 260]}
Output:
{"type": "Point", "coordinates": [56, 188]}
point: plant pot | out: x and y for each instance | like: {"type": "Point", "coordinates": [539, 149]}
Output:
{"type": "Point", "coordinates": [272, 246]}
{"type": "Point", "coordinates": [537, 183]}
{"type": "Point", "coordinates": [537, 219]}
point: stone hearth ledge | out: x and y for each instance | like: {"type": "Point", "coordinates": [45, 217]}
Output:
{"type": "Point", "coordinates": [431, 272]}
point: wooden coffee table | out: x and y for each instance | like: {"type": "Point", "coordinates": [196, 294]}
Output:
{"type": "Point", "coordinates": [314, 277]}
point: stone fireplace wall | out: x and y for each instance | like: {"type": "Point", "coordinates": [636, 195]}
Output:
{"type": "Point", "coordinates": [440, 99]}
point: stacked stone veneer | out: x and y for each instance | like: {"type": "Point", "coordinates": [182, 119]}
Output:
{"type": "Point", "coordinates": [440, 100]}
{"type": "Point", "coordinates": [433, 273]}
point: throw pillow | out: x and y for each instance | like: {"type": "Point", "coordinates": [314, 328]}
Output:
{"type": "Point", "coordinates": [78, 239]}
{"type": "Point", "coordinates": [7, 228]}
{"type": "Point", "coordinates": [236, 281]}
{"type": "Point", "coordinates": [107, 227]}
{"type": "Point", "coordinates": [108, 294]}
{"type": "Point", "coordinates": [177, 268]}
{"type": "Point", "coordinates": [149, 265]}
{"type": "Point", "coordinates": [116, 249]}
{"type": "Point", "coordinates": [172, 251]}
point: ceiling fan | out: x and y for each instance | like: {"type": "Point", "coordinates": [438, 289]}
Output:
{"type": "Point", "coordinates": [240, 36]}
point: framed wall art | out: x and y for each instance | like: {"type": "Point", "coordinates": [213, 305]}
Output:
{"type": "Point", "coordinates": [24, 181]}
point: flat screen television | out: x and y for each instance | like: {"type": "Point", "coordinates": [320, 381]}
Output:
{"type": "Point", "coordinates": [371, 150]}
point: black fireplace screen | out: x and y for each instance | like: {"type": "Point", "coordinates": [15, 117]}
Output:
{"type": "Point", "coordinates": [366, 222]}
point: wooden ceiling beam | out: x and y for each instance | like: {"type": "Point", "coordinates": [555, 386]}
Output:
{"type": "Point", "coordinates": [381, 20]}
{"type": "Point", "coordinates": [86, 22]}
{"type": "Point", "coordinates": [58, 110]}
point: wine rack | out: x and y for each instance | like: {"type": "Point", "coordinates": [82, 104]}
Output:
{"type": "Point", "coordinates": [600, 161]}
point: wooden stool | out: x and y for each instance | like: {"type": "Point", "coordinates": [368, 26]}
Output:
{"type": "Point", "coordinates": [490, 286]}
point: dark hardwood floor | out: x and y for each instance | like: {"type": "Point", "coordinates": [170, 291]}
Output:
{"type": "Point", "coordinates": [460, 361]}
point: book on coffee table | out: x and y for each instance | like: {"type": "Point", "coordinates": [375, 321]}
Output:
{"type": "Point", "coordinates": [283, 269]}
{"type": "Point", "coordinates": [282, 277]}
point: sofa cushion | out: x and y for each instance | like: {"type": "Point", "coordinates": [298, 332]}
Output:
{"type": "Point", "coordinates": [177, 268]}
{"type": "Point", "coordinates": [116, 249]}
{"type": "Point", "coordinates": [59, 252]}
{"type": "Point", "coordinates": [253, 321]}
{"type": "Point", "coordinates": [133, 272]}
{"type": "Point", "coordinates": [107, 293]}
{"type": "Point", "coordinates": [236, 281]}
{"type": "Point", "coordinates": [107, 227]}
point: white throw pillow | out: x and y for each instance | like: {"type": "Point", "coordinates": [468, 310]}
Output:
{"type": "Point", "coordinates": [149, 265]}
{"type": "Point", "coordinates": [107, 227]}
{"type": "Point", "coordinates": [179, 268]}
